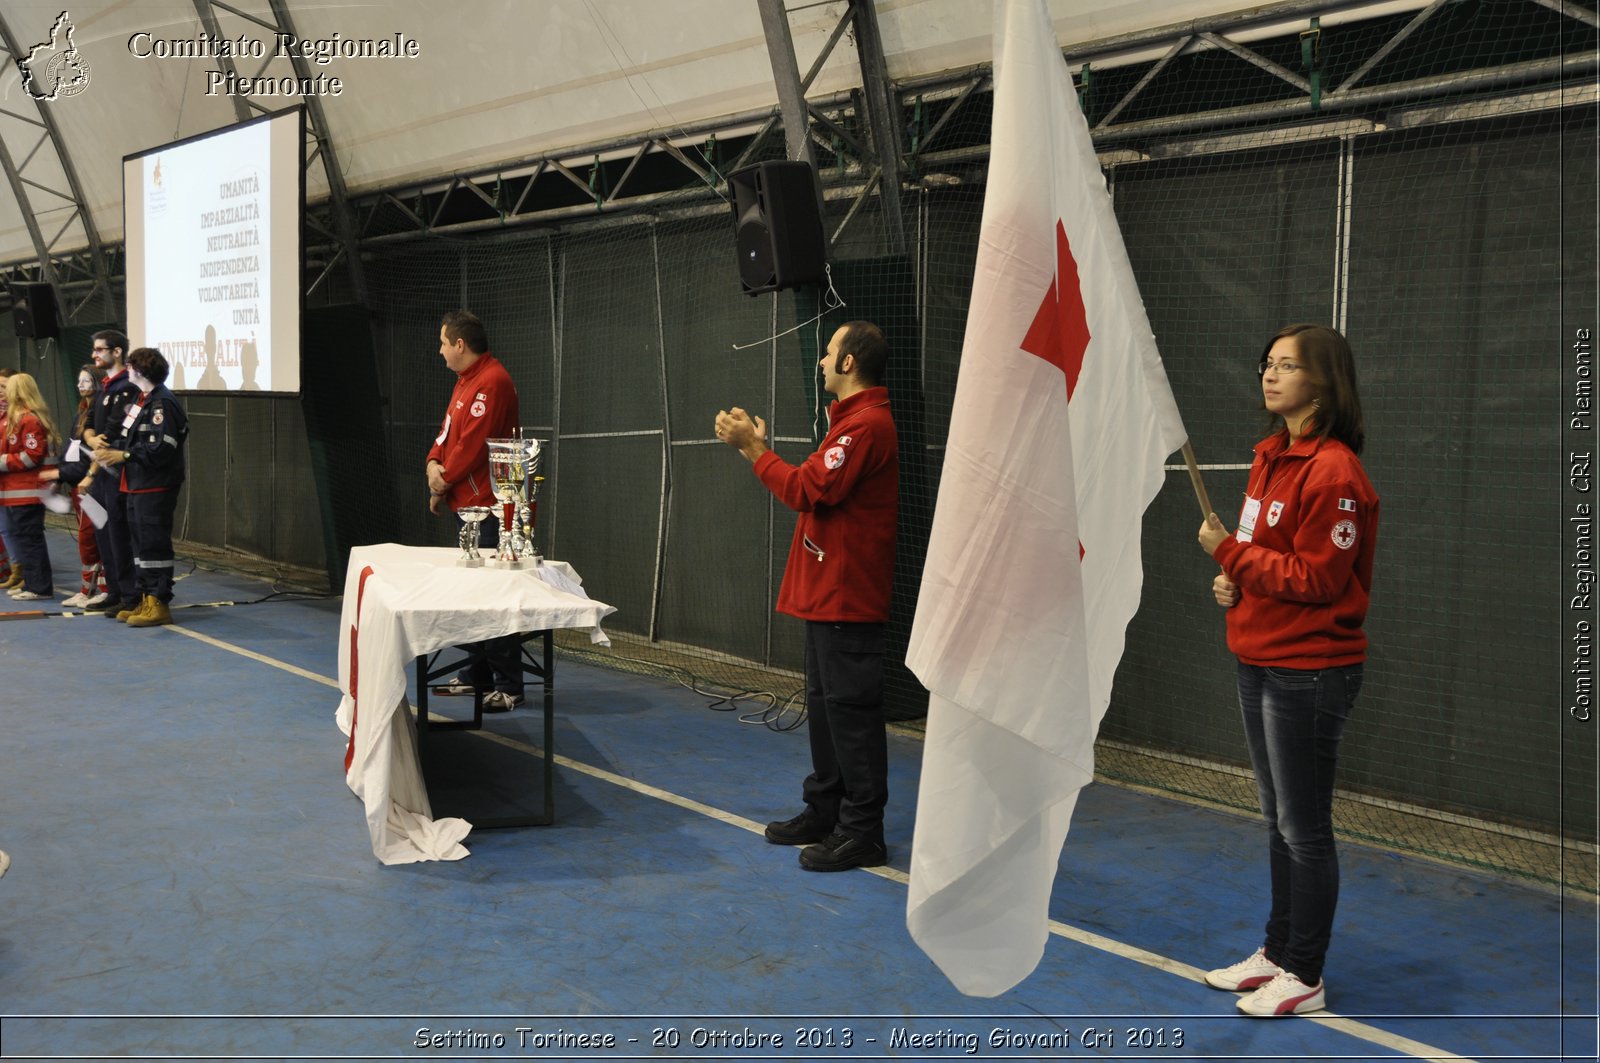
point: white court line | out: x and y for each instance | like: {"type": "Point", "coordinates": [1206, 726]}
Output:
{"type": "Point", "coordinates": [1350, 1027]}
{"type": "Point", "coordinates": [241, 651]}
{"type": "Point", "coordinates": [1332, 1021]}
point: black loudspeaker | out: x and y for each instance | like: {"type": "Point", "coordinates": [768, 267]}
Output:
{"type": "Point", "coordinates": [778, 226]}
{"type": "Point", "coordinates": [33, 311]}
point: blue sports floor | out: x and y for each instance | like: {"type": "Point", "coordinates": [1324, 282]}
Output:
{"type": "Point", "coordinates": [192, 879]}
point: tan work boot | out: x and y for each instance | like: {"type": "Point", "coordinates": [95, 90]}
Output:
{"type": "Point", "coordinates": [152, 613]}
{"type": "Point", "coordinates": [128, 612]}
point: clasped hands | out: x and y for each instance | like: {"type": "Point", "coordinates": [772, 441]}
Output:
{"type": "Point", "coordinates": [744, 433]}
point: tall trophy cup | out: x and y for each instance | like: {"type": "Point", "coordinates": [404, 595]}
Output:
{"type": "Point", "coordinates": [471, 517]}
{"type": "Point", "coordinates": [514, 470]}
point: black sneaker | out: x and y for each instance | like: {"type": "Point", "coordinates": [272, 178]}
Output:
{"type": "Point", "coordinates": [841, 852]}
{"type": "Point", "coordinates": [114, 606]}
{"type": "Point", "coordinates": [801, 830]}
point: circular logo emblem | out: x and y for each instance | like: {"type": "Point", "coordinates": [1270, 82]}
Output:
{"type": "Point", "coordinates": [478, 409]}
{"type": "Point", "coordinates": [834, 457]}
{"type": "Point", "coordinates": [67, 73]}
{"type": "Point", "coordinates": [1344, 534]}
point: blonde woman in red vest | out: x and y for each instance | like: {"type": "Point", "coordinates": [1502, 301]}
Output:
{"type": "Point", "coordinates": [29, 444]}
{"type": "Point", "coordinates": [10, 575]}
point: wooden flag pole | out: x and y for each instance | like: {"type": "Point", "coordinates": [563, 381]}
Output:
{"type": "Point", "coordinates": [1194, 478]}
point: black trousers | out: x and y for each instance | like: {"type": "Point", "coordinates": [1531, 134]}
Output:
{"type": "Point", "coordinates": [849, 781]}
{"type": "Point", "coordinates": [114, 541]}
{"type": "Point", "coordinates": [150, 517]}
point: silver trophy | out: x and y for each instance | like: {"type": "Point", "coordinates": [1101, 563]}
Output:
{"type": "Point", "coordinates": [471, 517]}
{"type": "Point", "coordinates": [514, 470]}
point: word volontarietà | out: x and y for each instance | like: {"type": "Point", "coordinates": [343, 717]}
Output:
{"type": "Point", "coordinates": [319, 50]}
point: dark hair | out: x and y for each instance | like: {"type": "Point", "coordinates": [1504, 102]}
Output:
{"type": "Point", "coordinates": [86, 402]}
{"type": "Point", "coordinates": [464, 325]}
{"type": "Point", "coordinates": [150, 364]}
{"type": "Point", "coordinates": [1324, 355]}
{"type": "Point", "coordinates": [865, 342]}
{"type": "Point", "coordinates": [114, 339]}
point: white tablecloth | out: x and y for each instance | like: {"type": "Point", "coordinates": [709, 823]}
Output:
{"type": "Point", "coordinates": [415, 601]}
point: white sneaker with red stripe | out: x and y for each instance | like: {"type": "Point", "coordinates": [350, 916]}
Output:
{"type": "Point", "coordinates": [1284, 995]}
{"type": "Point", "coordinates": [1252, 971]}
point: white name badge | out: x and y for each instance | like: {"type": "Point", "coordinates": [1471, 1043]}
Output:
{"type": "Point", "coordinates": [1247, 520]}
{"type": "Point", "coordinates": [72, 452]}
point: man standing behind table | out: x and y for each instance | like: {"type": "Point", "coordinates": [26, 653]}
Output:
{"type": "Point", "coordinates": [482, 407]}
{"type": "Point", "coordinates": [150, 462]}
{"type": "Point", "coordinates": [837, 579]}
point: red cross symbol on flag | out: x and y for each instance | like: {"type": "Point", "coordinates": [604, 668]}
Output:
{"type": "Point", "coordinates": [1060, 330]}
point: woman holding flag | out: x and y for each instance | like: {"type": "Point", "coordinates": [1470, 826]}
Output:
{"type": "Point", "coordinates": [1296, 579]}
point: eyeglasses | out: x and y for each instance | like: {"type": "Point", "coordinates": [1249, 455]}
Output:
{"type": "Point", "coordinates": [1285, 368]}
{"type": "Point", "coordinates": [102, 350]}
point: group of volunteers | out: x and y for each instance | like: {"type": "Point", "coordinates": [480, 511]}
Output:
{"type": "Point", "coordinates": [1295, 581]}
{"type": "Point", "coordinates": [120, 462]}
{"type": "Point", "coordinates": [1296, 576]}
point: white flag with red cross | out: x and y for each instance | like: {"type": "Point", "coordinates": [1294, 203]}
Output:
{"type": "Point", "coordinates": [1062, 422]}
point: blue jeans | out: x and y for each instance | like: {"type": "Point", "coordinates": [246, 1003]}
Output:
{"type": "Point", "coordinates": [1293, 720]}
{"type": "Point", "coordinates": [25, 537]}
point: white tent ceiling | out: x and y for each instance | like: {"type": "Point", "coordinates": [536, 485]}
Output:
{"type": "Point", "coordinates": [493, 80]}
